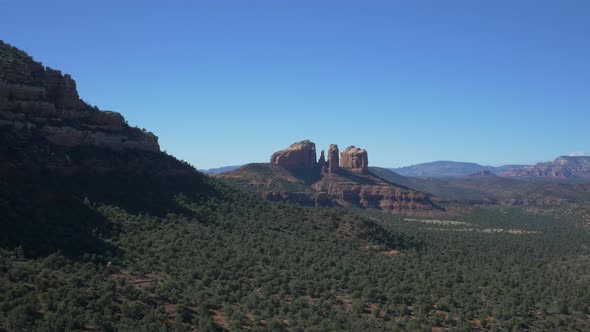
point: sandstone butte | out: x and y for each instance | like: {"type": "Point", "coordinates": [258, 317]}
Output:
{"type": "Point", "coordinates": [298, 155]}
{"type": "Point", "coordinates": [356, 159]}
{"type": "Point", "coordinates": [302, 155]}
{"type": "Point", "coordinates": [296, 175]}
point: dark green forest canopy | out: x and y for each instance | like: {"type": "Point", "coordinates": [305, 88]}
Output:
{"type": "Point", "coordinates": [212, 257]}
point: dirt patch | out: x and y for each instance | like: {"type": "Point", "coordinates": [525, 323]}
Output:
{"type": "Point", "coordinates": [220, 318]}
{"type": "Point", "coordinates": [140, 282]}
{"type": "Point", "coordinates": [512, 231]}
{"type": "Point", "coordinates": [391, 253]}
{"type": "Point", "coordinates": [345, 301]}
{"type": "Point", "coordinates": [439, 222]}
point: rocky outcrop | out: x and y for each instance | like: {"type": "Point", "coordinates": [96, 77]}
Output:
{"type": "Point", "coordinates": [562, 167]}
{"type": "Point", "coordinates": [61, 90]}
{"type": "Point", "coordinates": [371, 192]}
{"type": "Point", "coordinates": [322, 163]}
{"type": "Point", "coordinates": [333, 159]}
{"type": "Point", "coordinates": [355, 159]}
{"type": "Point", "coordinates": [43, 100]}
{"type": "Point", "coordinates": [301, 155]}
{"type": "Point", "coordinates": [482, 173]}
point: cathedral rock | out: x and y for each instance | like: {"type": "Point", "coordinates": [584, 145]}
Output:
{"type": "Point", "coordinates": [295, 175]}
{"type": "Point", "coordinates": [302, 155]}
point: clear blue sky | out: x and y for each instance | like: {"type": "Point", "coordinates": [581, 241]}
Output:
{"type": "Point", "coordinates": [229, 82]}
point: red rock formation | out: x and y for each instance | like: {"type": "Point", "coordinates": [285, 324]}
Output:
{"type": "Point", "coordinates": [342, 187]}
{"type": "Point", "coordinates": [333, 159]}
{"type": "Point", "coordinates": [322, 164]}
{"type": "Point", "coordinates": [376, 194]}
{"type": "Point", "coordinates": [36, 98]}
{"type": "Point", "coordinates": [301, 155]}
{"type": "Point", "coordinates": [61, 90]}
{"type": "Point", "coordinates": [562, 167]}
{"type": "Point", "coordinates": [355, 159]}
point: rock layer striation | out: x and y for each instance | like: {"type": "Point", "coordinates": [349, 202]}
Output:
{"type": "Point", "coordinates": [300, 155]}
{"type": "Point", "coordinates": [355, 159]}
{"type": "Point", "coordinates": [42, 100]}
{"type": "Point", "coordinates": [562, 167]}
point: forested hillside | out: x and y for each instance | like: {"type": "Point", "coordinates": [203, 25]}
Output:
{"type": "Point", "coordinates": [228, 260]}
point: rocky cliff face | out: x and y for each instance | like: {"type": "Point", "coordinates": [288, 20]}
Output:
{"type": "Point", "coordinates": [333, 159]}
{"type": "Point", "coordinates": [34, 98]}
{"type": "Point", "coordinates": [562, 167]}
{"type": "Point", "coordinates": [301, 155]}
{"type": "Point", "coordinates": [372, 192]}
{"type": "Point", "coordinates": [355, 159]}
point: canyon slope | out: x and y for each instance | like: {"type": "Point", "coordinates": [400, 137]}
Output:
{"type": "Point", "coordinates": [296, 175]}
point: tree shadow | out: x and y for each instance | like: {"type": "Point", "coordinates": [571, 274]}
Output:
{"type": "Point", "coordinates": [42, 222]}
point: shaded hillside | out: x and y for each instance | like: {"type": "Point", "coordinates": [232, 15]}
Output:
{"type": "Point", "coordinates": [263, 178]}
{"type": "Point", "coordinates": [57, 153]}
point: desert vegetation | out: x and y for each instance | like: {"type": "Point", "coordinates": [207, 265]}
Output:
{"type": "Point", "coordinates": [230, 261]}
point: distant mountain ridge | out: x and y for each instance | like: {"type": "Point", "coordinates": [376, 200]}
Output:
{"type": "Point", "coordinates": [486, 188]}
{"type": "Point", "coordinates": [445, 168]}
{"type": "Point", "coordinates": [562, 167]}
{"type": "Point", "coordinates": [219, 170]}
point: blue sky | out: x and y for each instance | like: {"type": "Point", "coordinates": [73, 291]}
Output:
{"type": "Point", "coordinates": [229, 82]}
